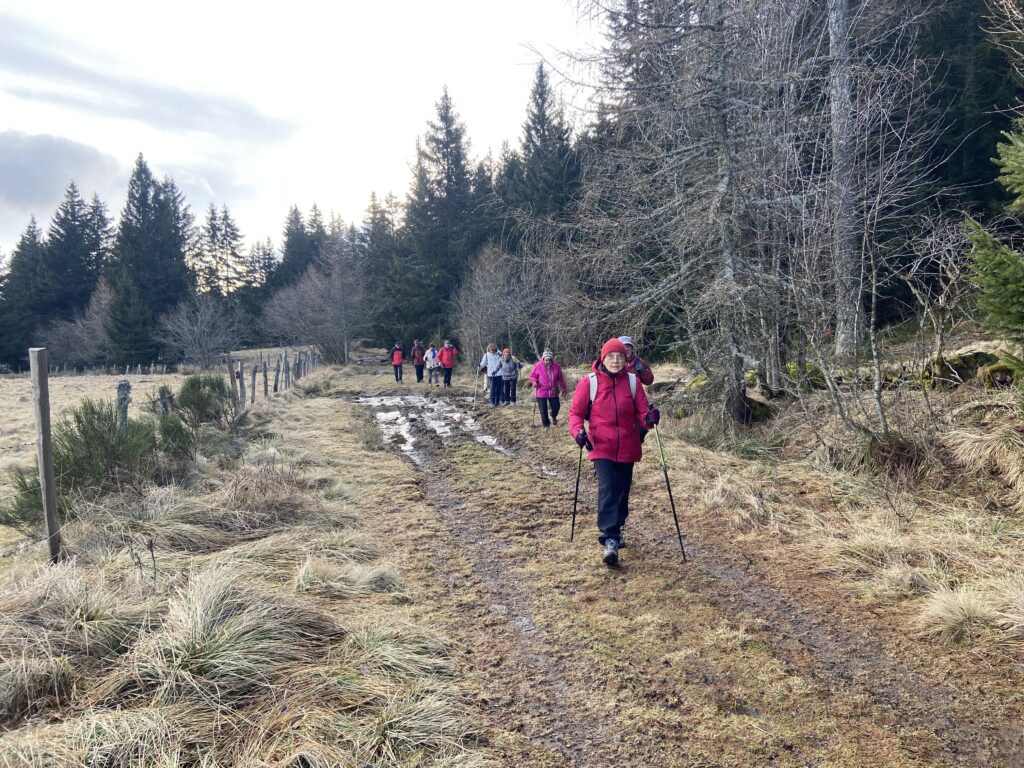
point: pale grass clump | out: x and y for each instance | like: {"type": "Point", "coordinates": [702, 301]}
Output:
{"type": "Point", "coordinates": [748, 508]}
{"type": "Point", "coordinates": [955, 615]}
{"type": "Point", "coordinates": [109, 738]}
{"type": "Point", "coordinates": [346, 581]}
{"type": "Point", "coordinates": [1009, 599]}
{"type": "Point", "coordinates": [867, 550]}
{"type": "Point", "coordinates": [221, 640]}
{"type": "Point", "coordinates": [402, 653]}
{"type": "Point", "coordinates": [999, 448]}
{"type": "Point", "coordinates": [901, 580]}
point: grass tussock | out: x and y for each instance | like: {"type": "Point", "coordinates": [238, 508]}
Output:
{"type": "Point", "coordinates": [745, 508]}
{"type": "Point", "coordinates": [348, 581]}
{"type": "Point", "coordinates": [997, 449]}
{"type": "Point", "coordinates": [955, 615]}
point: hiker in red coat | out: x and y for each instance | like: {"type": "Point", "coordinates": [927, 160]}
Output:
{"type": "Point", "coordinates": [447, 356]}
{"type": "Point", "coordinates": [636, 364]}
{"type": "Point", "coordinates": [548, 381]}
{"type": "Point", "coordinates": [397, 357]}
{"type": "Point", "coordinates": [418, 359]}
{"type": "Point", "coordinates": [614, 404]}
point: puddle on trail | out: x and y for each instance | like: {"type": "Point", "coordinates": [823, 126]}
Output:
{"type": "Point", "coordinates": [439, 416]}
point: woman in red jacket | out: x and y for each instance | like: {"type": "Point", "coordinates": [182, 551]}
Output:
{"type": "Point", "coordinates": [614, 408]}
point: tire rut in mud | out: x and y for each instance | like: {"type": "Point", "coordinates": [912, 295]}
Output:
{"type": "Point", "coordinates": [536, 679]}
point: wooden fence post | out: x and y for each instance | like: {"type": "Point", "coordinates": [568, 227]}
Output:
{"type": "Point", "coordinates": [231, 378]}
{"type": "Point", "coordinates": [277, 375]}
{"type": "Point", "coordinates": [47, 484]}
{"type": "Point", "coordinates": [124, 398]}
{"type": "Point", "coordinates": [165, 401]}
{"type": "Point", "coordinates": [266, 383]}
{"type": "Point", "coordinates": [287, 371]}
{"type": "Point", "coordinates": [241, 386]}
{"type": "Point", "coordinates": [252, 391]}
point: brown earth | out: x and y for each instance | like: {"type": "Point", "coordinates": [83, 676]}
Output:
{"type": "Point", "coordinates": [747, 655]}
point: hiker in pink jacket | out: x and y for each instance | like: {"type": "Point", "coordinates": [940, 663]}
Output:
{"type": "Point", "coordinates": [548, 382]}
{"type": "Point", "coordinates": [614, 404]}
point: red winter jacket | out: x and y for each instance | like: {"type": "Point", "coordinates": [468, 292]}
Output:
{"type": "Point", "coordinates": [417, 354]}
{"type": "Point", "coordinates": [614, 416]}
{"type": "Point", "coordinates": [646, 375]}
{"type": "Point", "coordinates": [447, 356]}
{"type": "Point", "coordinates": [397, 357]}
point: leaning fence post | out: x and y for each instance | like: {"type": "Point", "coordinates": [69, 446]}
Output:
{"type": "Point", "coordinates": [231, 378]}
{"type": "Point", "coordinates": [124, 397]}
{"type": "Point", "coordinates": [241, 386]}
{"type": "Point", "coordinates": [47, 484]}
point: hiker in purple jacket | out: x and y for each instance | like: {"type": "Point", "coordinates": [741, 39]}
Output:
{"type": "Point", "coordinates": [548, 381]}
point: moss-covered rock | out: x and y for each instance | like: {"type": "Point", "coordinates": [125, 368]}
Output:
{"type": "Point", "coordinates": [953, 370]}
{"type": "Point", "coordinates": [698, 382]}
{"type": "Point", "coordinates": [812, 377]}
{"type": "Point", "coordinates": [996, 376]}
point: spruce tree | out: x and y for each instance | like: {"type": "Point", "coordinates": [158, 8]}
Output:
{"type": "Point", "coordinates": [997, 269]}
{"type": "Point", "coordinates": [19, 314]}
{"type": "Point", "coordinates": [550, 168]}
{"type": "Point", "coordinates": [72, 260]}
{"type": "Point", "coordinates": [296, 250]}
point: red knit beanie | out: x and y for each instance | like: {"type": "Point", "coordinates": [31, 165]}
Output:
{"type": "Point", "coordinates": [613, 345]}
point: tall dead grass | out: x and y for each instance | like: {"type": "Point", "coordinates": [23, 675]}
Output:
{"type": "Point", "coordinates": [196, 627]}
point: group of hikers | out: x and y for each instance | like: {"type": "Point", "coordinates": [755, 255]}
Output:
{"type": "Point", "coordinates": [438, 362]}
{"type": "Point", "coordinates": [609, 416]}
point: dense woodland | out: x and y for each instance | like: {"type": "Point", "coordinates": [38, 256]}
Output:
{"type": "Point", "coordinates": [764, 187]}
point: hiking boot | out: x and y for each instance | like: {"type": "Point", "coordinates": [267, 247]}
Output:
{"type": "Point", "coordinates": [611, 552]}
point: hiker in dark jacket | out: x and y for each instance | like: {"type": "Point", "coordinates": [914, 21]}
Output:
{"type": "Point", "coordinates": [548, 381]}
{"type": "Point", "coordinates": [508, 376]}
{"type": "Point", "coordinates": [397, 357]}
{"type": "Point", "coordinates": [418, 353]}
{"type": "Point", "coordinates": [636, 364]}
{"type": "Point", "coordinates": [614, 408]}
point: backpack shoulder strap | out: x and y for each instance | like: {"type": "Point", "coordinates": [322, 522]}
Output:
{"type": "Point", "coordinates": [593, 385]}
{"type": "Point", "coordinates": [632, 385]}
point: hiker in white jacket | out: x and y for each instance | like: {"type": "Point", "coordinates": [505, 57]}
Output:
{"type": "Point", "coordinates": [490, 364]}
{"type": "Point", "coordinates": [433, 366]}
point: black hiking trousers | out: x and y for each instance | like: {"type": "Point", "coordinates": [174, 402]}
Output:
{"type": "Point", "coordinates": [398, 372]}
{"type": "Point", "coordinates": [614, 479]}
{"type": "Point", "coordinates": [419, 373]}
{"type": "Point", "coordinates": [548, 402]}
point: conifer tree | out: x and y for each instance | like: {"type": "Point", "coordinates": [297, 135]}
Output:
{"type": "Point", "coordinates": [550, 168]}
{"type": "Point", "coordinates": [18, 309]}
{"type": "Point", "coordinates": [998, 270]}
{"type": "Point", "coordinates": [71, 262]}
{"type": "Point", "coordinates": [296, 250]}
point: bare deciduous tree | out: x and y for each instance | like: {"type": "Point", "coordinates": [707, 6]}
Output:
{"type": "Point", "coordinates": [200, 329]}
{"type": "Point", "coordinates": [83, 340]}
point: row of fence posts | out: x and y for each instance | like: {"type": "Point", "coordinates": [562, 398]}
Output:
{"type": "Point", "coordinates": [286, 373]}
{"type": "Point", "coordinates": [138, 368]}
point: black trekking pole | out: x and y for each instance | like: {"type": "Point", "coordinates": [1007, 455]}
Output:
{"type": "Point", "coordinates": [668, 485]}
{"type": "Point", "coordinates": [576, 496]}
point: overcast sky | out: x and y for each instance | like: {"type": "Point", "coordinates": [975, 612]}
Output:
{"type": "Point", "coordinates": [259, 107]}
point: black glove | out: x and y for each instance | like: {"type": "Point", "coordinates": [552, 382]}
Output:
{"type": "Point", "coordinates": [653, 416]}
{"type": "Point", "coordinates": [583, 441]}
{"type": "Point", "coordinates": [638, 368]}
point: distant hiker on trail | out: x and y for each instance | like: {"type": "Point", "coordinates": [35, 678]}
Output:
{"type": "Point", "coordinates": [508, 376]}
{"type": "Point", "coordinates": [548, 381]}
{"type": "Point", "coordinates": [418, 352]}
{"type": "Point", "coordinates": [433, 363]}
{"type": "Point", "coordinates": [635, 364]}
{"type": "Point", "coordinates": [612, 401]}
{"type": "Point", "coordinates": [396, 356]}
{"type": "Point", "coordinates": [447, 357]}
{"type": "Point", "coordinates": [490, 364]}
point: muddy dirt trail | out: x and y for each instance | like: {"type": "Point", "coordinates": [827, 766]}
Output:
{"type": "Point", "coordinates": [734, 659]}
